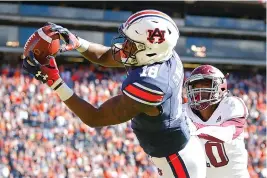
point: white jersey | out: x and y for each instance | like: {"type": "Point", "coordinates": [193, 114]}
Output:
{"type": "Point", "coordinates": [222, 138]}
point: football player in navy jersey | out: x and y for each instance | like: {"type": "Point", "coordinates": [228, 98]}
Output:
{"type": "Point", "coordinates": [151, 94]}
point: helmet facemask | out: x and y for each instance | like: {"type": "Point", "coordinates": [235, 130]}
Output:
{"type": "Point", "coordinates": [128, 56]}
{"type": "Point", "coordinates": [201, 98]}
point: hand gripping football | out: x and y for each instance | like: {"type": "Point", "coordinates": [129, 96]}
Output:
{"type": "Point", "coordinates": [42, 42]}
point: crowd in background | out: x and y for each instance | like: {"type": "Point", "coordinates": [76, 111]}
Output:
{"type": "Point", "coordinates": [40, 137]}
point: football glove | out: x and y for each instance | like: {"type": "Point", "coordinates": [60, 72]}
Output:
{"type": "Point", "coordinates": [48, 74]}
{"type": "Point", "coordinates": [71, 40]}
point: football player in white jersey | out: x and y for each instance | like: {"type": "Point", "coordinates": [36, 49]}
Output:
{"type": "Point", "coordinates": [219, 121]}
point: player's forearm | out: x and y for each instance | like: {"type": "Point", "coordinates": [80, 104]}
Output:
{"type": "Point", "coordinates": [97, 53]}
{"type": "Point", "coordinates": [109, 113]}
{"type": "Point", "coordinates": [91, 116]}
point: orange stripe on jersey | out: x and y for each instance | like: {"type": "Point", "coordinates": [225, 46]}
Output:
{"type": "Point", "coordinates": [142, 94]}
{"type": "Point", "coordinates": [178, 166]}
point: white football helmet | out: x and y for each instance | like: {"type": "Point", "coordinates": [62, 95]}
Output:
{"type": "Point", "coordinates": [153, 36]}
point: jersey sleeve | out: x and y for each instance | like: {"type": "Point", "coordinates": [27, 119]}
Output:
{"type": "Point", "coordinates": [145, 90]}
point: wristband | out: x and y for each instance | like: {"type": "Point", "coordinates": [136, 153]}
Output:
{"type": "Point", "coordinates": [84, 45]}
{"type": "Point", "coordinates": [62, 89]}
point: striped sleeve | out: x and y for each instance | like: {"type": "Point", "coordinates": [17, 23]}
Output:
{"type": "Point", "coordinates": [143, 93]}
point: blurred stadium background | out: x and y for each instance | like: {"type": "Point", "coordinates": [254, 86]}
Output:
{"type": "Point", "coordinates": [40, 137]}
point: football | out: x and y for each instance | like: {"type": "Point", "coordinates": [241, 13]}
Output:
{"type": "Point", "coordinates": [42, 42]}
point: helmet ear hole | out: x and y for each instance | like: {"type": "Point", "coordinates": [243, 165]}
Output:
{"type": "Point", "coordinates": [150, 55]}
{"type": "Point", "coordinates": [170, 32]}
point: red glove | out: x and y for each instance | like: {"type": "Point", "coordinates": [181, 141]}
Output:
{"type": "Point", "coordinates": [46, 73]}
{"type": "Point", "coordinates": [51, 71]}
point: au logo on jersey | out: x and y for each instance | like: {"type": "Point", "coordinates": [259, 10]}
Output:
{"type": "Point", "coordinates": [156, 33]}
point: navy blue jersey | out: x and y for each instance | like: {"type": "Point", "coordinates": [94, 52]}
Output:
{"type": "Point", "coordinates": [159, 85]}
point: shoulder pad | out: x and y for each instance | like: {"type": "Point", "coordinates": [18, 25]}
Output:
{"type": "Point", "coordinates": [233, 107]}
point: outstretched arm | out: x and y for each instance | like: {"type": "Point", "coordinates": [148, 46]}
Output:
{"type": "Point", "coordinates": [116, 110]}
{"type": "Point", "coordinates": [93, 52]}
{"type": "Point", "coordinates": [101, 55]}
